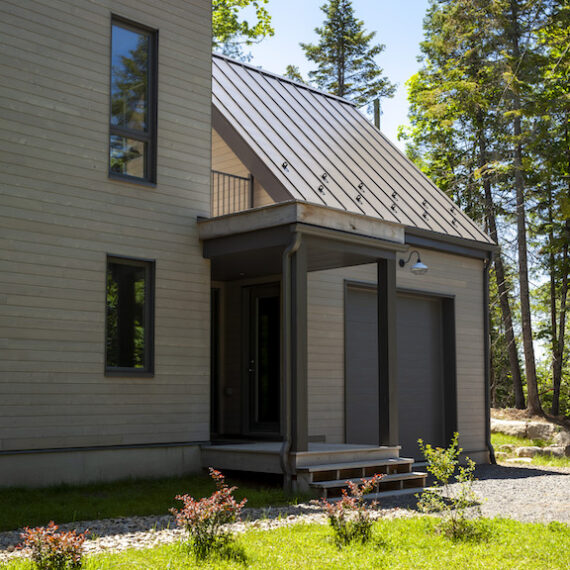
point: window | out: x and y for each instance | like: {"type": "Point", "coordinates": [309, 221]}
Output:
{"type": "Point", "coordinates": [132, 144]}
{"type": "Point", "coordinates": [129, 317]}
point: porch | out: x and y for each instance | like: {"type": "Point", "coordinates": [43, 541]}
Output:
{"type": "Point", "coordinates": [260, 259]}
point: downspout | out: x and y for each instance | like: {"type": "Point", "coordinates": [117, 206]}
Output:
{"type": "Point", "coordinates": [285, 353]}
{"type": "Point", "coordinates": [486, 351]}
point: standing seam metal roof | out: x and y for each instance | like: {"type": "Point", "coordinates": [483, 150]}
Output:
{"type": "Point", "coordinates": [324, 151]}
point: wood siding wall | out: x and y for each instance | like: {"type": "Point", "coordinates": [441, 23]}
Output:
{"type": "Point", "coordinates": [449, 275]}
{"type": "Point", "coordinates": [60, 215]}
{"type": "Point", "coordinates": [225, 160]}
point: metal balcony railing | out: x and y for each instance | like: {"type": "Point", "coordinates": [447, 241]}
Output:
{"type": "Point", "coordinates": [230, 193]}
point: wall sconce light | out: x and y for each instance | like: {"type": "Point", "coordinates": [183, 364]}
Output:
{"type": "Point", "coordinates": [418, 268]}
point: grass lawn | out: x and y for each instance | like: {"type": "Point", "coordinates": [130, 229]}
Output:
{"type": "Point", "coordinates": [498, 439]}
{"type": "Point", "coordinates": [401, 543]}
{"type": "Point", "coordinates": [66, 503]}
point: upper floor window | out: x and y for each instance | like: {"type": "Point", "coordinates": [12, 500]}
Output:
{"type": "Point", "coordinates": [132, 145]}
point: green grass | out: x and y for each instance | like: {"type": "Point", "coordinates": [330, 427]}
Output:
{"type": "Point", "coordinates": [502, 439]}
{"type": "Point", "coordinates": [498, 439]}
{"type": "Point", "coordinates": [65, 503]}
{"type": "Point", "coordinates": [401, 543]}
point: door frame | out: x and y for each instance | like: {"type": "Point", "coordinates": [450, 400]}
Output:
{"type": "Point", "coordinates": [250, 427]}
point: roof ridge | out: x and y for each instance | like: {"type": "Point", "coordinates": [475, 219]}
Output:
{"type": "Point", "coordinates": [281, 78]}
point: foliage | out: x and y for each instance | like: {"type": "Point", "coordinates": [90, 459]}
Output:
{"type": "Point", "coordinates": [230, 32]}
{"type": "Point", "coordinates": [350, 516]}
{"type": "Point", "coordinates": [204, 519]}
{"type": "Point", "coordinates": [405, 545]}
{"type": "Point", "coordinates": [292, 72]}
{"type": "Point", "coordinates": [53, 550]}
{"type": "Point", "coordinates": [458, 504]}
{"type": "Point", "coordinates": [345, 60]}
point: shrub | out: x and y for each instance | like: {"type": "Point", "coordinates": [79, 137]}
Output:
{"type": "Point", "coordinates": [52, 550]}
{"type": "Point", "coordinates": [458, 504]}
{"type": "Point", "coordinates": [350, 516]}
{"type": "Point", "coordinates": [204, 519]}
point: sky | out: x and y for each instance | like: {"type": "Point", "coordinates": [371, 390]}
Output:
{"type": "Point", "coordinates": [397, 23]}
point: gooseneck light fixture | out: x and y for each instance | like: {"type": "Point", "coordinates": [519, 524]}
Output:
{"type": "Point", "coordinates": [418, 268]}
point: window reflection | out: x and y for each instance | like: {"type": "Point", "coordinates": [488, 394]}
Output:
{"type": "Point", "coordinates": [129, 79]}
{"type": "Point", "coordinates": [127, 156]}
{"type": "Point", "coordinates": [126, 315]}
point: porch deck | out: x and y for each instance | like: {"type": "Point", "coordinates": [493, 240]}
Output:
{"type": "Point", "coordinates": [264, 457]}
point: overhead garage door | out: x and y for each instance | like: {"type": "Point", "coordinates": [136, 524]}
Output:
{"type": "Point", "coordinates": [420, 369]}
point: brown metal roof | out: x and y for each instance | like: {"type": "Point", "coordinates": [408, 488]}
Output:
{"type": "Point", "coordinates": [322, 150]}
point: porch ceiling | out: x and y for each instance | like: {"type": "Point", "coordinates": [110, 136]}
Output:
{"type": "Point", "coordinates": [250, 243]}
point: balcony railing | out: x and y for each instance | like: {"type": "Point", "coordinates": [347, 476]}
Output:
{"type": "Point", "coordinates": [230, 193]}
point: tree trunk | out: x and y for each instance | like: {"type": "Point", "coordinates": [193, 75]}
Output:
{"type": "Point", "coordinates": [558, 360]}
{"type": "Point", "coordinates": [504, 302]}
{"type": "Point", "coordinates": [530, 365]}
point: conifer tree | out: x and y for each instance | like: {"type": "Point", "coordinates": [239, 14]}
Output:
{"type": "Point", "coordinates": [345, 59]}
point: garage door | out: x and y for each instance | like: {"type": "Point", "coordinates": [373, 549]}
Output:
{"type": "Point", "coordinates": [420, 369]}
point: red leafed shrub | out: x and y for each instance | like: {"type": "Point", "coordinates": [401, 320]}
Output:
{"type": "Point", "coordinates": [350, 516]}
{"type": "Point", "coordinates": [203, 519]}
{"type": "Point", "coordinates": [52, 550]}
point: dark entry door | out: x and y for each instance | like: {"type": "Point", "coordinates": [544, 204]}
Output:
{"type": "Point", "coordinates": [263, 364]}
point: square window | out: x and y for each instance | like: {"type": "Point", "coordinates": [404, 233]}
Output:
{"type": "Point", "coordinates": [132, 127]}
{"type": "Point", "coordinates": [129, 317]}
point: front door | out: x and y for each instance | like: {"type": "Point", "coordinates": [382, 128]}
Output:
{"type": "Point", "coordinates": [263, 360]}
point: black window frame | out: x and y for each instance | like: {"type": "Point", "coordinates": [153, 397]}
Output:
{"type": "Point", "coordinates": [150, 137]}
{"type": "Point", "coordinates": [149, 266]}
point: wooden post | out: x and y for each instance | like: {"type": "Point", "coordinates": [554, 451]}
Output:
{"type": "Point", "coordinates": [387, 355]}
{"type": "Point", "coordinates": [299, 391]}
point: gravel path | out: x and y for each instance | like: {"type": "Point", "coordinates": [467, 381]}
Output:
{"type": "Point", "coordinates": [525, 493]}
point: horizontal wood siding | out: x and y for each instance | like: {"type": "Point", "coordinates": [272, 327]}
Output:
{"type": "Point", "coordinates": [448, 274]}
{"type": "Point", "coordinates": [225, 160]}
{"type": "Point", "coordinates": [60, 215]}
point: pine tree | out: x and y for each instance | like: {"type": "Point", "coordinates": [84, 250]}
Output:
{"type": "Point", "coordinates": [345, 60]}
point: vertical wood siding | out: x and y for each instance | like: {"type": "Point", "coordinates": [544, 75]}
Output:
{"type": "Point", "coordinates": [448, 274]}
{"type": "Point", "coordinates": [60, 215]}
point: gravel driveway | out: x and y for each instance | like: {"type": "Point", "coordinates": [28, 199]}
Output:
{"type": "Point", "coordinates": [525, 493]}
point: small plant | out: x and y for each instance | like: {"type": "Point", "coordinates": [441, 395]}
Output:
{"type": "Point", "coordinates": [52, 550]}
{"type": "Point", "coordinates": [458, 504]}
{"type": "Point", "coordinates": [350, 516]}
{"type": "Point", "coordinates": [205, 518]}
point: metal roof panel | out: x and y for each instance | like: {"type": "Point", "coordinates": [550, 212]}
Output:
{"type": "Point", "coordinates": [324, 151]}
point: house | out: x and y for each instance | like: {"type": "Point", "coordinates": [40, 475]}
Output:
{"type": "Point", "coordinates": [206, 264]}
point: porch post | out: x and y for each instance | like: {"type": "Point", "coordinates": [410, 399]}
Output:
{"type": "Point", "coordinates": [298, 356]}
{"type": "Point", "coordinates": [387, 355]}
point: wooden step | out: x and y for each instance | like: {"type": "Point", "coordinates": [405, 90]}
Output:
{"type": "Point", "coordinates": [388, 483]}
{"type": "Point", "coordinates": [357, 469]}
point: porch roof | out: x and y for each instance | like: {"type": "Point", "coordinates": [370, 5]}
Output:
{"type": "Point", "coordinates": [250, 243]}
{"type": "Point", "coordinates": [307, 145]}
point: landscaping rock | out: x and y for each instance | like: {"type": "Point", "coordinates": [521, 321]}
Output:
{"type": "Point", "coordinates": [553, 450]}
{"type": "Point", "coordinates": [501, 455]}
{"type": "Point", "coordinates": [538, 430]}
{"type": "Point", "coordinates": [529, 451]}
{"type": "Point", "coordinates": [515, 428]}
{"type": "Point", "coordinates": [507, 447]}
{"type": "Point", "coordinates": [562, 438]}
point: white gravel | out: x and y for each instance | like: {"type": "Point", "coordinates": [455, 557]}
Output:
{"type": "Point", "coordinates": [526, 493]}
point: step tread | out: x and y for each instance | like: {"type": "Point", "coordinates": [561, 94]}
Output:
{"type": "Point", "coordinates": [356, 464]}
{"type": "Point", "coordinates": [343, 482]}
